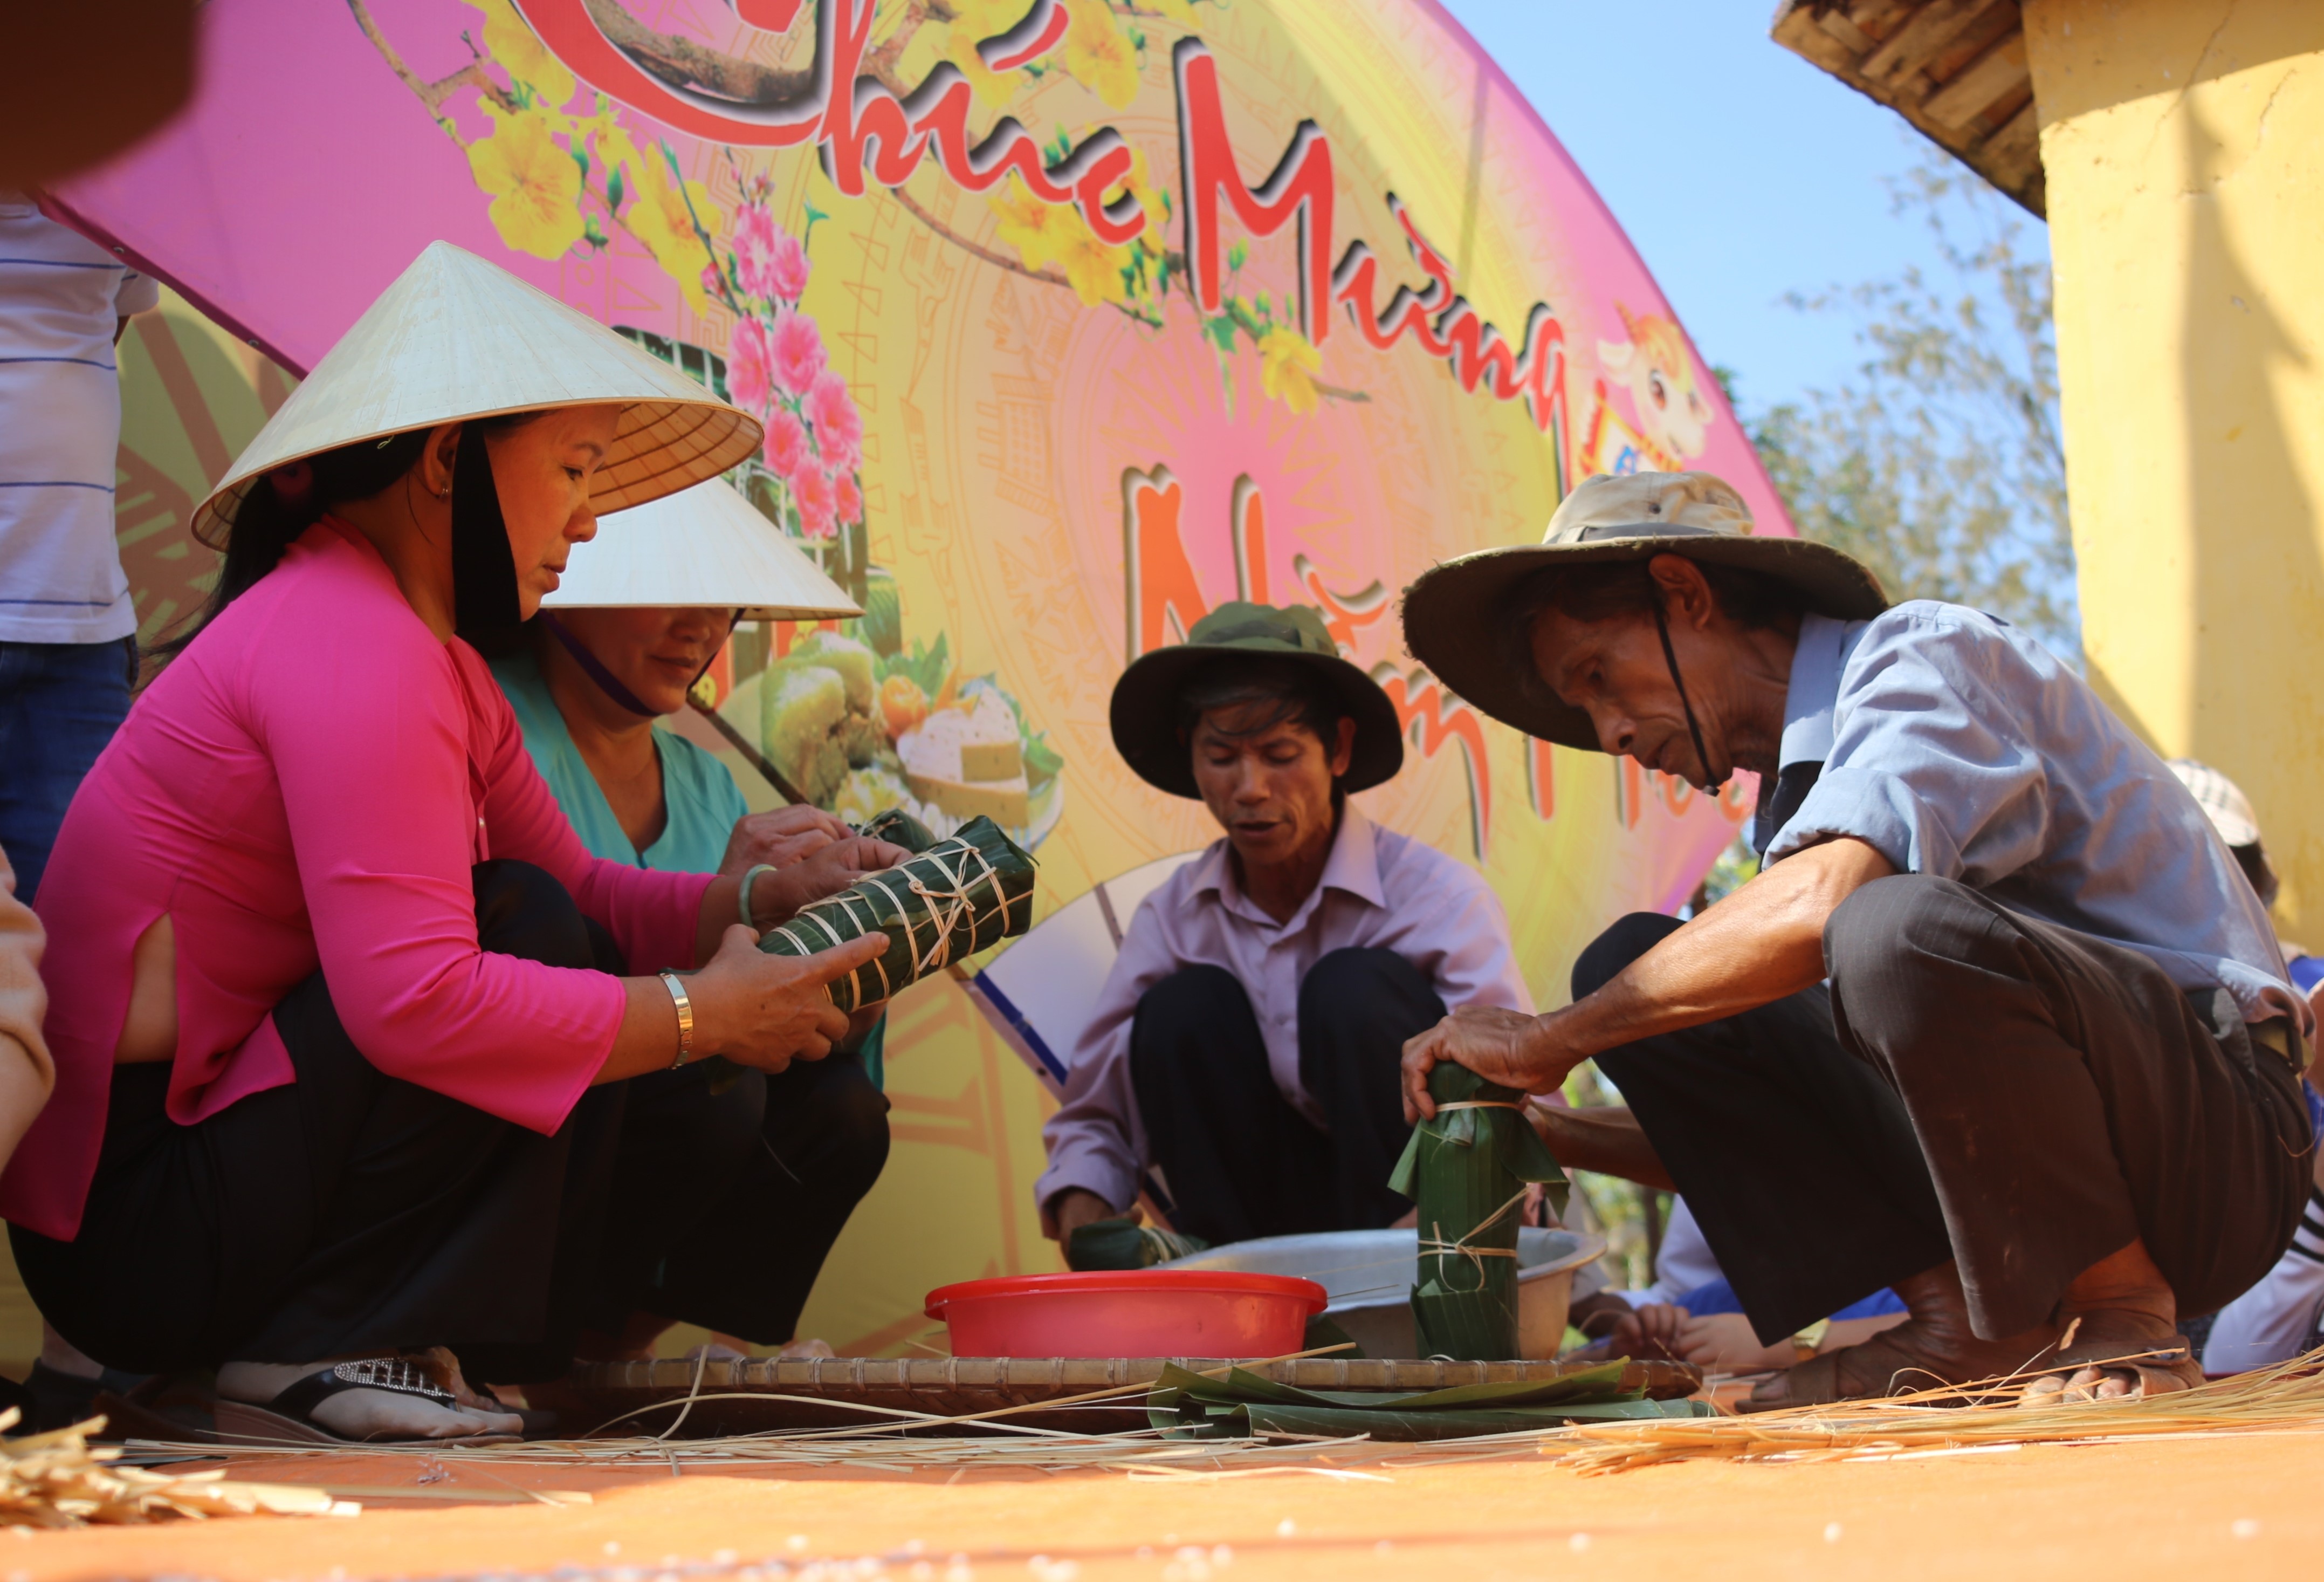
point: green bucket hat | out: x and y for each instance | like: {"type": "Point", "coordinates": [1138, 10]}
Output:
{"type": "Point", "coordinates": [1453, 616]}
{"type": "Point", "coordinates": [1145, 708]}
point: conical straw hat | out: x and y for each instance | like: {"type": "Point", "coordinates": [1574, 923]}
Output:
{"type": "Point", "coordinates": [457, 338]}
{"type": "Point", "coordinates": [706, 547]}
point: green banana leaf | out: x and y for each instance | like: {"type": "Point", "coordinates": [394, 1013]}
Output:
{"type": "Point", "coordinates": [960, 896]}
{"type": "Point", "coordinates": [1117, 1243]}
{"type": "Point", "coordinates": [1463, 1169]}
{"type": "Point", "coordinates": [1184, 1404]}
{"type": "Point", "coordinates": [898, 827]}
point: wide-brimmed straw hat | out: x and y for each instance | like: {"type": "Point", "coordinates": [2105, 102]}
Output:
{"type": "Point", "coordinates": [703, 548]}
{"type": "Point", "coordinates": [1454, 615]}
{"type": "Point", "coordinates": [1145, 707]}
{"type": "Point", "coordinates": [456, 337]}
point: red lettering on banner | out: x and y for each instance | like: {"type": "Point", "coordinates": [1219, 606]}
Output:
{"type": "Point", "coordinates": [1163, 599]}
{"type": "Point", "coordinates": [1344, 614]}
{"type": "Point", "coordinates": [1432, 717]}
{"type": "Point", "coordinates": [1163, 595]}
{"type": "Point", "coordinates": [1541, 783]}
{"type": "Point", "coordinates": [1299, 190]}
{"type": "Point", "coordinates": [1248, 521]}
{"type": "Point", "coordinates": [859, 125]}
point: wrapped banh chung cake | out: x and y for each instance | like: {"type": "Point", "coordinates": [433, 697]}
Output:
{"type": "Point", "coordinates": [816, 714]}
{"type": "Point", "coordinates": [962, 895]}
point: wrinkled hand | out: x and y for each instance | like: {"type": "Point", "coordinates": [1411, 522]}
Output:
{"type": "Point", "coordinates": [1717, 1343]}
{"type": "Point", "coordinates": [766, 1011]}
{"type": "Point", "coordinates": [779, 837]}
{"type": "Point", "coordinates": [1496, 1043]}
{"type": "Point", "coordinates": [829, 870]}
{"type": "Point", "coordinates": [1076, 1207]}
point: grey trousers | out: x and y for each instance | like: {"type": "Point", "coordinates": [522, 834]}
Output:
{"type": "Point", "coordinates": [1972, 1084]}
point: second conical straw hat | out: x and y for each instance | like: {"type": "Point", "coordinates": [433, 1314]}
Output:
{"type": "Point", "coordinates": [705, 547]}
{"type": "Point", "coordinates": [456, 337]}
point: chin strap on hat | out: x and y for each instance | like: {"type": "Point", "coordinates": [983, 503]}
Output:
{"type": "Point", "coordinates": [1670, 658]}
{"type": "Point", "coordinates": [607, 681]}
{"type": "Point", "coordinates": [483, 564]}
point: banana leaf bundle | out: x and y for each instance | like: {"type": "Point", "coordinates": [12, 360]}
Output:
{"type": "Point", "coordinates": [1187, 1405]}
{"type": "Point", "coordinates": [1467, 1170]}
{"type": "Point", "coordinates": [962, 895]}
{"type": "Point", "coordinates": [1121, 1244]}
{"type": "Point", "coordinates": [898, 827]}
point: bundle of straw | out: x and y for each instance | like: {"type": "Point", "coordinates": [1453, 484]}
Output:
{"type": "Point", "coordinates": [2288, 1398]}
{"type": "Point", "coordinates": [56, 1480]}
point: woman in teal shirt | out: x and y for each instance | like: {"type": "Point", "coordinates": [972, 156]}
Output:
{"type": "Point", "coordinates": [736, 1182]}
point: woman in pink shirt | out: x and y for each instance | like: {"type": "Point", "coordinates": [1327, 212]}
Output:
{"type": "Point", "coordinates": [336, 996]}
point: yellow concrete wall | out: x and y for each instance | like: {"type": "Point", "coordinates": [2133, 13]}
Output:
{"type": "Point", "coordinates": [2184, 146]}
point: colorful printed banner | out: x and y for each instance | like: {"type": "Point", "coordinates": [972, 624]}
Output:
{"type": "Point", "coordinates": [1069, 319]}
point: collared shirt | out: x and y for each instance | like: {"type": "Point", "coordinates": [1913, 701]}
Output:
{"type": "Point", "coordinates": [1378, 888]}
{"type": "Point", "coordinates": [1955, 744]}
{"type": "Point", "coordinates": [61, 298]}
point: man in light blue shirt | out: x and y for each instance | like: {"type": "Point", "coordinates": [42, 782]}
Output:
{"type": "Point", "coordinates": [2001, 1025]}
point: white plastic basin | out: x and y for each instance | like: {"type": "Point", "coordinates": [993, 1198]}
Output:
{"type": "Point", "coordinates": [1369, 1275]}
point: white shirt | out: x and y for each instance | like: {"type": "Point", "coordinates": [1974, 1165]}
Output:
{"type": "Point", "coordinates": [1379, 890]}
{"type": "Point", "coordinates": [61, 297]}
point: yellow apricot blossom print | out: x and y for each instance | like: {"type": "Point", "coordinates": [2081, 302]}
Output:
{"type": "Point", "coordinates": [1288, 362]}
{"type": "Point", "coordinates": [976, 20]}
{"type": "Point", "coordinates": [1054, 235]}
{"type": "Point", "coordinates": [535, 185]}
{"type": "Point", "coordinates": [1097, 55]}
{"type": "Point", "coordinates": [1027, 224]}
{"type": "Point", "coordinates": [511, 42]}
{"type": "Point", "coordinates": [663, 216]}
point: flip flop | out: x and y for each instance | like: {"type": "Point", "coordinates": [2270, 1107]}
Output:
{"type": "Point", "coordinates": [2153, 1365]}
{"type": "Point", "coordinates": [289, 1418]}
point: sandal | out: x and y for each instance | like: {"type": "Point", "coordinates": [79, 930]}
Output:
{"type": "Point", "coordinates": [2166, 1361]}
{"type": "Point", "coordinates": [288, 1417]}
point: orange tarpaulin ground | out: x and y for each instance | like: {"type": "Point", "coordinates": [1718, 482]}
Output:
{"type": "Point", "coordinates": [2188, 1510]}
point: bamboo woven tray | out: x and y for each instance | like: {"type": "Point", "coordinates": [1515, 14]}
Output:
{"type": "Point", "coordinates": [764, 1395]}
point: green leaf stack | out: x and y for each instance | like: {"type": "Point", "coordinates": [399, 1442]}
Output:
{"type": "Point", "coordinates": [1467, 1170]}
{"type": "Point", "coordinates": [962, 895]}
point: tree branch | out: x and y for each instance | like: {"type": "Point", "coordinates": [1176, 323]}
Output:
{"type": "Point", "coordinates": [683, 63]}
{"type": "Point", "coordinates": [430, 94]}
{"type": "Point", "coordinates": [974, 249]}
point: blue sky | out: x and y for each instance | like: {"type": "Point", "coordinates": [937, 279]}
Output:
{"type": "Point", "coordinates": [1740, 172]}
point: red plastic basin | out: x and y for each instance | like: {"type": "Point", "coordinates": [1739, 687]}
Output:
{"type": "Point", "coordinates": [1136, 1312]}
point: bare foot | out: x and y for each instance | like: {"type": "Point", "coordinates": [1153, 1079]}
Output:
{"type": "Point", "coordinates": [2118, 1307]}
{"type": "Point", "coordinates": [363, 1414]}
{"type": "Point", "coordinates": [1934, 1345]}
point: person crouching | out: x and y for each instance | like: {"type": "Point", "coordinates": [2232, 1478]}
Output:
{"type": "Point", "coordinates": [1247, 1040]}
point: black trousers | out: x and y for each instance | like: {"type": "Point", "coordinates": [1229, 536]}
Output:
{"type": "Point", "coordinates": [352, 1211]}
{"type": "Point", "coordinates": [1239, 1160]}
{"type": "Point", "coordinates": [1970, 1084]}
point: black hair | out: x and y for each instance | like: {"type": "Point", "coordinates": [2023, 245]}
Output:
{"type": "Point", "coordinates": [1605, 590]}
{"type": "Point", "coordinates": [2253, 860]}
{"type": "Point", "coordinates": [1287, 690]}
{"type": "Point", "coordinates": [267, 523]}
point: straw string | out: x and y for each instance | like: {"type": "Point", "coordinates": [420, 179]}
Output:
{"type": "Point", "coordinates": [944, 906]}
{"type": "Point", "coordinates": [1441, 1249]}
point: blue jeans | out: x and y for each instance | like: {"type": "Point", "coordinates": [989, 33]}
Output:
{"type": "Point", "coordinates": [60, 704]}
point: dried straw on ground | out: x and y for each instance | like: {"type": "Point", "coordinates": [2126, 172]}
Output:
{"type": "Point", "coordinates": [2288, 1398]}
{"type": "Point", "coordinates": [56, 1480]}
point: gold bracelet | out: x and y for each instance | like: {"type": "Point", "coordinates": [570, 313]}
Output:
{"type": "Point", "coordinates": [684, 1018]}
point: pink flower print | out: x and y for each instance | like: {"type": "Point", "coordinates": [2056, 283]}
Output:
{"type": "Point", "coordinates": [786, 269]}
{"type": "Point", "coordinates": [850, 499]}
{"type": "Point", "coordinates": [753, 238]}
{"type": "Point", "coordinates": [816, 502]}
{"type": "Point", "coordinates": [786, 444]}
{"type": "Point", "coordinates": [838, 426]}
{"type": "Point", "coordinates": [746, 365]}
{"type": "Point", "coordinates": [798, 349]}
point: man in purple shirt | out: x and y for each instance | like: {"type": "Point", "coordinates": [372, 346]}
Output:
{"type": "Point", "coordinates": [1246, 1044]}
